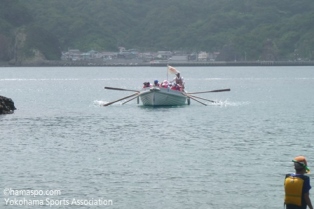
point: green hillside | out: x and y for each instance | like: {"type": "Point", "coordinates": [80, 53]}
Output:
{"type": "Point", "coordinates": [20, 36]}
{"type": "Point", "coordinates": [251, 29]}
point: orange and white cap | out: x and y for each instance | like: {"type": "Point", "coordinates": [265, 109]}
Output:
{"type": "Point", "coordinates": [300, 162]}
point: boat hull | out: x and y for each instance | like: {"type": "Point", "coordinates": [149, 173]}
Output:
{"type": "Point", "coordinates": [162, 97]}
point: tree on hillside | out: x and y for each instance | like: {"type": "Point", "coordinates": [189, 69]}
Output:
{"type": "Point", "coordinates": [4, 48]}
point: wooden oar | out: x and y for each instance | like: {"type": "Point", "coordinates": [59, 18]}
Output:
{"type": "Point", "coordinates": [120, 99]}
{"type": "Point", "coordinates": [119, 89]}
{"type": "Point", "coordinates": [219, 90]}
{"type": "Point", "coordinates": [202, 98]}
{"type": "Point", "coordinates": [193, 98]}
{"type": "Point", "coordinates": [130, 99]}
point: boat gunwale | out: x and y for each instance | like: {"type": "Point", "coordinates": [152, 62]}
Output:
{"type": "Point", "coordinates": [164, 91]}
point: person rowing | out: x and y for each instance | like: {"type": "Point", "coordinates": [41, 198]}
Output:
{"type": "Point", "coordinates": [179, 80]}
{"type": "Point", "coordinates": [156, 83]}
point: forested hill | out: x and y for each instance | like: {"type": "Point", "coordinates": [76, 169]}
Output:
{"type": "Point", "coordinates": [262, 29]}
{"type": "Point", "coordinates": [21, 38]}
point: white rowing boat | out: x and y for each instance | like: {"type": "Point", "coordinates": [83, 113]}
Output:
{"type": "Point", "coordinates": [159, 96]}
{"type": "Point", "coordinates": [165, 94]}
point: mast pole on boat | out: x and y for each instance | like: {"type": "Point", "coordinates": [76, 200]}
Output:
{"type": "Point", "coordinates": [167, 72]}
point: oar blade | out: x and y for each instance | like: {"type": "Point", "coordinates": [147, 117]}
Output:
{"type": "Point", "coordinates": [220, 90]}
{"type": "Point", "coordinates": [120, 89]}
{"type": "Point", "coordinates": [201, 92]}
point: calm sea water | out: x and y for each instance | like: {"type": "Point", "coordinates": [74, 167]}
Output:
{"type": "Point", "coordinates": [232, 154]}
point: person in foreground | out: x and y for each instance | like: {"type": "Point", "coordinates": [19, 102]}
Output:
{"type": "Point", "coordinates": [297, 186]}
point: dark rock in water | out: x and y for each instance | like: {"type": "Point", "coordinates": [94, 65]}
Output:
{"type": "Point", "coordinates": [6, 105]}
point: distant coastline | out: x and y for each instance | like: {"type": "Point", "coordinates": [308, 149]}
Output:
{"type": "Point", "coordinates": [128, 63]}
{"type": "Point", "coordinates": [242, 63]}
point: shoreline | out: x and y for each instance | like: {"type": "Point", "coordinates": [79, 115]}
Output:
{"type": "Point", "coordinates": [130, 63]}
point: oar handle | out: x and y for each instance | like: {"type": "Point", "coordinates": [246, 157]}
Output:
{"type": "Point", "coordinates": [130, 99]}
{"type": "Point", "coordinates": [120, 99]}
{"type": "Point", "coordinates": [202, 98]}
